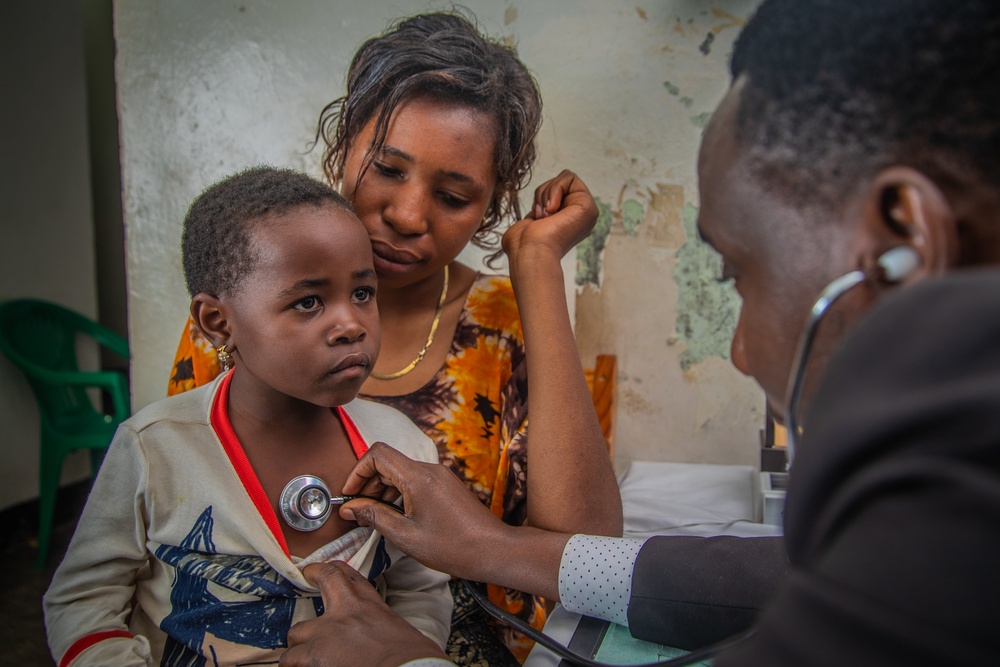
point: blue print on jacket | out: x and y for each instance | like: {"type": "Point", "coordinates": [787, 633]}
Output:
{"type": "Point", "coordinates": [196, 613]}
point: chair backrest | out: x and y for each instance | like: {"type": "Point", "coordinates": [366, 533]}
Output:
{"type": "Point", "coordinates": [40, 338]}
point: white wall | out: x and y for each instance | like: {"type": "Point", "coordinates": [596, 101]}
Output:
{"type": "Point", "coordinates": [208, 88]}
{"type": "Point", "coordinates": [46, 230]}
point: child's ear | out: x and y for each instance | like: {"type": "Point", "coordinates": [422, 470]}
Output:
{"type": "Point", "coordinates": [209, 315]}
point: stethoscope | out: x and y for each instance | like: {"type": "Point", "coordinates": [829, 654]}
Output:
{"type": "Point", "coordinates": [306, 501]}
{"type": "Point", "coordinates": [894, 265]}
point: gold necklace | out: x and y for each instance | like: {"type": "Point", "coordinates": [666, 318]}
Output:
{"type": "Point", "coordinates": [430, 337]}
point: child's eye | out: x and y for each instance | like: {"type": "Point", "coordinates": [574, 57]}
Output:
{"type": "Point", "coordinates": [307, 304]}
{"type": "Point", "coordinates": [363, 294]}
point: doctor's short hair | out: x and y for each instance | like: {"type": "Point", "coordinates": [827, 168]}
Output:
{"type": "Point", "coordinates": [836, 91]}
{"type": "Point", "coordinates": [217, 240]}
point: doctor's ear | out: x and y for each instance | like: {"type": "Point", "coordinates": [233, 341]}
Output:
{"type": "Point", "coordinates": [906, 209]}
{"type": "Point", "coordinates": [209, 314]}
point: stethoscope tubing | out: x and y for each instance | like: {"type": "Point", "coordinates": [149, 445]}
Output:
{"type": "Point", "coordinates": [796, 378]}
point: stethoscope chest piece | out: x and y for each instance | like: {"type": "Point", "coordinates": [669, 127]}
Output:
{"type": "Point", "coordinates": [305, 503]}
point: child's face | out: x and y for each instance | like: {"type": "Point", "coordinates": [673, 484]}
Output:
{"type": "Point", "coordinates": [427, 190]}
{"type": "Point", "coordinates": [304, 323]}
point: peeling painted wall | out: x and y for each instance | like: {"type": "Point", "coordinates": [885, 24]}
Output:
{"type": "Point", "coordinates": [207, 88]}
{"type": "Point", "coordinates": [628, 91]}
{"type": "Point", "coordinates": [626, 109]}
{"type": "Point", "coordinates": [706, 309]}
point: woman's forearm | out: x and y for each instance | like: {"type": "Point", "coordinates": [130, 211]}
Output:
{"type": "Point", "coordinates": [571, 481]}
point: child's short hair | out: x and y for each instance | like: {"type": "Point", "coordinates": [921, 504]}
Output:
{"type": "Point", "coordinates": [217, 242]}
{"type": "Point", "coordinates": [441, 56]}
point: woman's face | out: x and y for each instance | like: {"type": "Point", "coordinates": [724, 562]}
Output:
{"type": "Point", "coordinates": [426, 192]}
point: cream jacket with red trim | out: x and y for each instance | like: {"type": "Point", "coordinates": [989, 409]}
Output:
{"type": "Point", "coordinates": [172, 559]}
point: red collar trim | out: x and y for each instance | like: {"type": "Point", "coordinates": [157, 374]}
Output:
{"type": "Point", "coordinates": [358, 443]}
{"type": "Point", "coordinates": [234, 450]}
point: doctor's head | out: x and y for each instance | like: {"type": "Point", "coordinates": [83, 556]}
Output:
{"type": "Point", "coordinates": [849, 129]}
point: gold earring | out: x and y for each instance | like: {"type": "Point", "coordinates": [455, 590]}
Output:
{"type": "Point", "coordinates": [224, 358]}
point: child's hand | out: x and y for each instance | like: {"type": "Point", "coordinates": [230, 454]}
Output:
{"type": "Point", "coordinates": [563, 214]}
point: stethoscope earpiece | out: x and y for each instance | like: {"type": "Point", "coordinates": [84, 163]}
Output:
{"type": "Point", "coordinates": [895, 264]}
{"type": "Point", "coordinates": [898, 263]}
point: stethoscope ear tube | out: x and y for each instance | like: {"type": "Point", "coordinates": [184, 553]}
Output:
{"type": "Point", "coordinates": [796, 379]}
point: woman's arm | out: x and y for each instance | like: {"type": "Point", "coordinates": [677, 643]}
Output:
{"type": "Point", "coordinates": [571, 481]}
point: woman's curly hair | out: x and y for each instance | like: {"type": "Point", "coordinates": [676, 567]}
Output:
{"type": "Point", "coordinates": [440, 56]}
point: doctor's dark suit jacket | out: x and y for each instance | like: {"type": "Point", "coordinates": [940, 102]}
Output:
{"type": "Point", "coordinates": [892, 520]}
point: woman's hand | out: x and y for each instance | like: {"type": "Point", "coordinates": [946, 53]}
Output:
{"type": "Point", "coordinates": [357, 628]}
{"type": "Point", "coordinates": [563, 214]}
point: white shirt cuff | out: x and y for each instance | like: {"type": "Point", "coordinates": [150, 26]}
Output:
{"type": "Point", "coordinates": [595, 576]}
{"type": "Point", "coordinates": [428, 662]}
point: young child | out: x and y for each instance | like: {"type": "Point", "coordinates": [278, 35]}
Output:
{"type": "Point", "coordinates": [209, 504]}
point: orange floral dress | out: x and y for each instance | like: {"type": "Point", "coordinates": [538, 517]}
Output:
{"type": "Point", "coordinates": [476, 411]}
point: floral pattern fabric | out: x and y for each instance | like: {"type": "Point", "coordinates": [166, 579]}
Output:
{"type": "Point", "coordinates": [475, 409]}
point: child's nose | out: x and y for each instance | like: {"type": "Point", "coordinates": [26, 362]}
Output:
{"type": "Point", "coordinates": [345, 329]}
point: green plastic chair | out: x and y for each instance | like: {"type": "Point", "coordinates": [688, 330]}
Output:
{"type": "Point", "coordinates": [40, 338]}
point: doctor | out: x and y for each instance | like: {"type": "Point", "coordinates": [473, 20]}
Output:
{"type": "Point", "coordinates": [852, 132]}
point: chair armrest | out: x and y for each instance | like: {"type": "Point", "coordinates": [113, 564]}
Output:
{"type": "Point", "coordinates": [109, 339]}
{"type": "Point", "coordinates": [113, 382]}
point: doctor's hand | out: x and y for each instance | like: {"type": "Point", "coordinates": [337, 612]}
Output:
{"type": "Point", "coordinates": [444, 527]}
{"type": "Point", "coordinates": [357, 628]}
